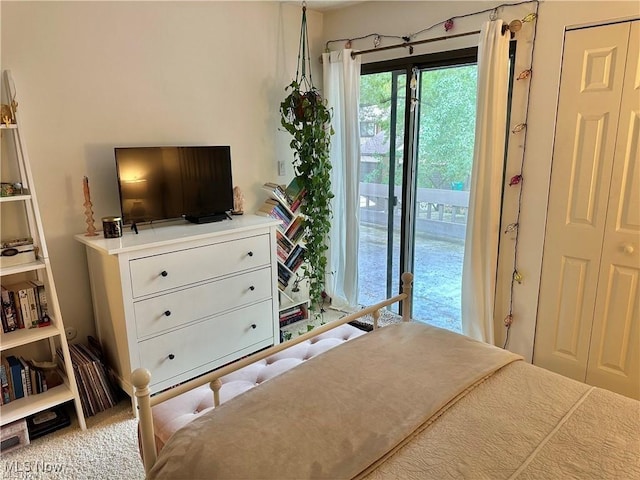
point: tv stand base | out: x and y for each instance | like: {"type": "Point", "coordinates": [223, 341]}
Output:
{"type": "Point", "coordinates": [214, 217]}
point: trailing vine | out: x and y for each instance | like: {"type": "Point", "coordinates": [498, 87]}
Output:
{"type": "Point", "coordinates": [306, 117]}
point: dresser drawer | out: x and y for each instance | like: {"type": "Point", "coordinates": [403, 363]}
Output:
{"type": "Point", "coordinates": [177, 308]}
{"type": "Point", "coordinates": [198, 344]}
{"type": "Point", "coordinates": [183, 267]}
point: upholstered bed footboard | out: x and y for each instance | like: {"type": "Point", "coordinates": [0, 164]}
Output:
{"type": "Point", "coordinates": [166, 410]}
{"type": "Point", "coordinates": [179, 411]}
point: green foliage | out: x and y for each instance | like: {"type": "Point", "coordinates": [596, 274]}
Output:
{"type": "Point", "coordinates": [446, 125]}
{"type": "Point", "coordinates": [306, 117]}
{"type": "Point", "coordinates": [375, 107]}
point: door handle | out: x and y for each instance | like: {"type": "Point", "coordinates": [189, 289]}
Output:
{"type": "Point", "coordinates": [627, 248]}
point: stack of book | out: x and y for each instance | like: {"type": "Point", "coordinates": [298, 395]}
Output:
{"type": "Point", "coordinates": [296, 258]}
{"type": "Point", "coordinates": [24, 305]}
{"type": "Point", "coordinates": [21, 378]}
{"type": "Point", "coordinates": [284, 246]}
{"type": "Point", "coordinates": [293, 315]}
{"type": "Point", "coordinates": [284, 275]}
{"type": "Point", "coordinates": [295, 193]}
{"type": "Point", "coordinates": [96, 390]}
{"type": "Point", "coordinates": [295, 231]}
{"type": "Point", "coordinates": [273, 208]}
{"type": "Point", "coordinates": [278, 192]}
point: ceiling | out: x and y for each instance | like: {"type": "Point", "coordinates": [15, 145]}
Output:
{"type": "Point", "coordinates": [325, 5]}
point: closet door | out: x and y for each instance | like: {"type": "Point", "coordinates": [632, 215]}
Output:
{"type": "Point", "coordinates": [586, 130]}
{"type": "Point", "coordinates": [614, 355]}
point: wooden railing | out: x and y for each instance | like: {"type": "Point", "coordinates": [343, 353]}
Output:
{"type": "Point", "coordinates": [440, 212]}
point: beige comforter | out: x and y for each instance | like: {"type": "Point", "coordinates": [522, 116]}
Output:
{"type": "Point", "coordinates": [411, 401]}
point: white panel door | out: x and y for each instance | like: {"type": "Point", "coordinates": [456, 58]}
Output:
{"type": "Point", "coordinates": [590, 89]}
{"type": "Point", "coordinates": [614, 356]}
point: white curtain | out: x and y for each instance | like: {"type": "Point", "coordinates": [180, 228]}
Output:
{"type": "Point", "coordinates": [342, 92]}
{"type": "Point", "coordinates": [483, 223]}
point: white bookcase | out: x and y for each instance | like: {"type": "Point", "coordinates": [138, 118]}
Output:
{"type": "Point", "coordinates": [293, 288]}
{"type": "Point", "coordinates": [21, 207]}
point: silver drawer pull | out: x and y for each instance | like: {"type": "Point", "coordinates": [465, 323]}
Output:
{"type": "Point", "coordinates": [171, 356]}
{"type": "Point", "coordinates": [252, 288]}
{"type": "Point", "coordinates": [250, 253]}
{"type": "Point", "coordinates": [167, 313]}
{"type": "Point", "coordinates": [164, 273]}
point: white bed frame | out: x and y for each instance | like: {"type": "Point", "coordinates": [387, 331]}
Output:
{"type": "Point", "coordinates": [141, 377]}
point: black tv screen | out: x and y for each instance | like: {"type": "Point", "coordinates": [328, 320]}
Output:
{"type": "Point", "coordinates": [162, 183]}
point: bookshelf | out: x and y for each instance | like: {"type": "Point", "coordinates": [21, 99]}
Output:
{"type": "Point", "coordinates": [33, 328]}
{"type": "Point", "coordinates": [284, 204]}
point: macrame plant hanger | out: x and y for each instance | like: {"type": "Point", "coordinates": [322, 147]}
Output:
{"type": "Point", "coordinates": [304, 57]}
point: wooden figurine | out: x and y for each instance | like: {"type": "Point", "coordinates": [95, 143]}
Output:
{"type": "Point", "coordinates": [88, 210]}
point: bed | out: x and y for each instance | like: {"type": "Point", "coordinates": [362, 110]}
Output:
{"type": "Point", "coordinates": [403, 401]}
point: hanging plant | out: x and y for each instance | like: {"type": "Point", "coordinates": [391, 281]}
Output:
{"type": "Point", "coordinates": [305, 115]}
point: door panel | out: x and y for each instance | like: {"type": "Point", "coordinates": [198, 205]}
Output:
{"type": "Point", "coordinates": [585, 182]}
{"type": "Point", "coordinates": [614, 357]}
{"type": "Point", "coordinates": [382, 129]}
{"type": "Point", "coordinates": [568, 321]}
{"type": "Point", "coordinates": [586, 130]}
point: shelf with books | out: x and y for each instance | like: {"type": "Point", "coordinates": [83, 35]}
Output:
{"type": "Point", "coordinates": [273, 208]}
{"type": "Point", "coordinates": [24, 305]}
{"type": "Point", "coordinates": [294, 314]}
{"type": "Point", "coordinates": [25, 406]}
{"type": "Point", "coordinates": [284, 204]}
{"type": "Point", "coordinates": [29, 305]}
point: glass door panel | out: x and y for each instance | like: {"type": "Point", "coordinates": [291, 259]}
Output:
{"type": "Point", "coordinates": [382, 130]}
{"type": "Point", "coordinates": [444, 155]}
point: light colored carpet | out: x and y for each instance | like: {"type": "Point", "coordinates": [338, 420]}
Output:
{"type": "Point", "coordinates": [108, 449]}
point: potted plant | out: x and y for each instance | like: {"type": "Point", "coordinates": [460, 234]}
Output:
{"type": "Point", "coordinates": [305, 115]}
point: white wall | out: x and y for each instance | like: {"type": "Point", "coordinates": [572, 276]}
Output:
{"type": "Point", "coordinates": [94, 75]}
{"type": "Point", "coordinates": [402, 18]}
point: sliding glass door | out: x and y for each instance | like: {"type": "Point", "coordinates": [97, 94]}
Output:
{"type": "Point", "coordinates": [382, 130]}
{"type": "Point", "coordinates": [417, 137]}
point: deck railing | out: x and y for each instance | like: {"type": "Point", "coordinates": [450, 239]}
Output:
{"type": "Point", "coordinates": [440, 212]}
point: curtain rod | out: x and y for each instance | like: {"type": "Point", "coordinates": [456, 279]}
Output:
{"type": "Point", "coordinates": [505, 28]}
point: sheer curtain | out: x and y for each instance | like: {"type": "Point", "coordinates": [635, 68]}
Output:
{"type": "Point", "coordinates": [341, 77]}
{"type": "Point", "coordinates": [483, 223]}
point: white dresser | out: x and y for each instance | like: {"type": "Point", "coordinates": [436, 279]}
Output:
{"type": "Point", "coordinates": [182, 299]}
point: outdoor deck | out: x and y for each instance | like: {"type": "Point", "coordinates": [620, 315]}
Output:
{"type": "Point", "coordinates": [439, 250]}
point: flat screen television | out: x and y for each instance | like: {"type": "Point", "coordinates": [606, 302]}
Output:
{"type": "Point", "coordinates": [164, 183]}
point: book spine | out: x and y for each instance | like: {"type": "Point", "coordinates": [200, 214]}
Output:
{"type": "Point", "coordinates": [15, 306]}
{"type": "Point", "coordinates": [25, 310]}
{"type": "Point", "coordinates": [4, 384]}
{"type": "Point", "coordinates": [43, 307]}
{"type": "Point", "coordinates": [33, 306]}
{"type": "Point", "coordinates": [26, 376]}
{"type": "Point", "coordinates": [16, 376]}
{"type": "Point", "coordinates": [7, 369]}
{"type": "Point", "coordinates": [9, 311]}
